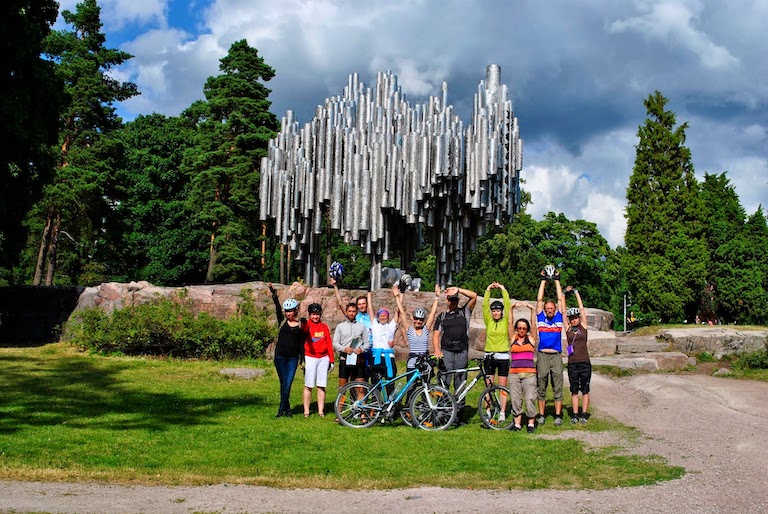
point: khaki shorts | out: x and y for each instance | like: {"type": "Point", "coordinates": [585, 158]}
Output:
{"type": "Point", "coordinates": [549, 368]}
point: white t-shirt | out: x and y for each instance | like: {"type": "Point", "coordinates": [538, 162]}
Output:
{"type": "Point", "coordinates": [382, 334]}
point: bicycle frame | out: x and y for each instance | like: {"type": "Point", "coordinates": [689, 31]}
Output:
{"type": "Point", "coordinates": [461, 393]}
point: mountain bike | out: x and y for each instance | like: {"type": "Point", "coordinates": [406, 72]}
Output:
{"type": "Point", "coordinates": [430, 407]}
{"type": "Point", "coordinates": [489, 406]}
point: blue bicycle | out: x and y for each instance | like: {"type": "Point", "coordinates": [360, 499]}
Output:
{"type": "Point", "coordinates": [429, 407]}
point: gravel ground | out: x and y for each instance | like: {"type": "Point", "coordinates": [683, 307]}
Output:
{"type": "Point", "coordinates": [714, 427]}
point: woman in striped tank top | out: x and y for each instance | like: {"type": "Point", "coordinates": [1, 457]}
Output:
{"type": "Point", "coordinates": [417, 334]}
{"type": "Point", "coordinates": [522, 370]}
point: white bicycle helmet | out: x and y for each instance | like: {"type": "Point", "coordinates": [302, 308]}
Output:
{"type": "Point", "coordinates": [573, 311]}
{"type": "Point", "coordinates": [419, 313]}
{"type": "Point", "coordinates": [290, 304]}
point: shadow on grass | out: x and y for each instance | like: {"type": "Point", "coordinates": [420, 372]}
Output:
{"type": "Point", "coordinates": [80, 393]}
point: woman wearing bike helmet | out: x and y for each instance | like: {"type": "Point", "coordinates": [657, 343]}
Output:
{"type": "Point", "coordinates": [417, 334]}
{"type": "Point", "coordinates": [496, 315]}
{"type": "Point", "coordinates": [289, 349]}
{"type": "Point", "coordinates": [318, 357]}
{"type": "Point", "coordinates": [579, 364]}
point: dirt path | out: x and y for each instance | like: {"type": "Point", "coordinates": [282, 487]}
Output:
{"type": "Point", "coordinates": [716, 428]}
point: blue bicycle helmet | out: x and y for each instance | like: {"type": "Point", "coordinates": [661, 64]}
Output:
{"type": "Point", "coordinates": [336, 270]}
{"type": "Point", "coordinates": [290, 304]}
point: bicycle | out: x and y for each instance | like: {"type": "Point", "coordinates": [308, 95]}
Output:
{"type": "Point", "coordinates": [489, 406]}
{"type": "Point", "coordinates": [430, 407]}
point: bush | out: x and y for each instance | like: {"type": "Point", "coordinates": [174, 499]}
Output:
{"type": "Point", "coordinates": [168, 327]}
{"type": "Point", "coordinates": [753, 360]}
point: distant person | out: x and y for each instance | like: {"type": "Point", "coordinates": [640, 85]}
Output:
{"type": "Point", "coordinates": [417, 334]}
{"type": "Point", "coordinates": [631, 320]}
{"type": "Point", "coordinates": [579, 365]}
{"type": "Point", "coordinates": [318, 357]}
{"type": "Point", "coordinates": [549, 361]}
{"type": "Point", "coordinates": [289, 349]}
{"type": "Point", "coordinates": [522, 370]}
{"type": "Point", "coordinates": [450, 336]}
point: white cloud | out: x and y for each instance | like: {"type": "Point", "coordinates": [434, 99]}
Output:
{"type": "Point", "coordinates": [674, 22]}
{"type": "Point", "coordinates": [171, 70]}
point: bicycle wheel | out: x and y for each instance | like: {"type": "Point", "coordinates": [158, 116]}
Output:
{"type": "Point", "coordinates": [490, 409]}
{"type": "Point", "coordinates": [358, 405]}
{"type": "Point", "coordinates": [433, 408]}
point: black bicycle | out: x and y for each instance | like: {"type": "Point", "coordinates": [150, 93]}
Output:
{"type": "Point", "coordinates": [494, 407]}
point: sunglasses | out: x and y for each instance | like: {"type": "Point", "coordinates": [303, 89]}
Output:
{"type": "Point", "coordinates": [521, 328]}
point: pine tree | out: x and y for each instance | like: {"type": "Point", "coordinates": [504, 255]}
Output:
{"type": "Point", "coordinates": [666, 253]}
{"type": "Point", "coordinates": [73, 204]}
{"type": "Point", "coordinates": [233, 126]}
{"type": "Point", "coordinates": [30, 100]}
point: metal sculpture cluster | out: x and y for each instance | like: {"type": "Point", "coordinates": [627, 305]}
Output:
{"type": "Point", "coordinates": [378, 170]}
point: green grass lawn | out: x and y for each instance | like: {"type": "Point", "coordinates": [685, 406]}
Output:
{"type": "Point", "coordinates": [67, 415]}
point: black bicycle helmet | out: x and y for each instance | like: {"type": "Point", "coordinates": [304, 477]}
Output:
{"type": "Point", "coordinates": [315, 308]}
{"type": "Point", "coordinates": [497, 305]}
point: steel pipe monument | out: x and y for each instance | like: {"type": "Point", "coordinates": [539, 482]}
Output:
{"type": "Point", "coordinates": [377, 169]}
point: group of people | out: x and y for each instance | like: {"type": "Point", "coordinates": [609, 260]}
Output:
{"type": "Point", "coordinates": [525, 354]}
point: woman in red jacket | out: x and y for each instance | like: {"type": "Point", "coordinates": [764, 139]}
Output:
{"type": "Point", "coordinates": [318, 358]}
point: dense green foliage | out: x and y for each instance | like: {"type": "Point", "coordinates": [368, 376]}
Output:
{"type": "Point", "coordinates": [31, 96]}
{"type": "Point", "coordinates": [151, 236]}
{"type": "Point", "coordinates": [753, 360]}
{"type": "Point", "coordinates": [690, 253]}
{"type": "Point", "coordinates": [666, 258]}
{"type": "Point", "coordinates": [168, 327]}
{"type": "Point", "coordinates": [233, 126]}
{"type": "Point", "coordinates": [75, 203]}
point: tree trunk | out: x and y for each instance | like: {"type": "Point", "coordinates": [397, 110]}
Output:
{"type": "Point", "coordinates": [282, 263]}
{"type": "Point", "coordinates": [52, 246]}
{"type": "Point", "coordinates": [41, 252]}
{"type": "Point", "coordinates": [212, 254]}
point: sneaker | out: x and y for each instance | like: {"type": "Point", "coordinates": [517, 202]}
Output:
{"type": "Point", "coordinates": [516, 428]}
{"type": "Point", "coordinates": [540, 419]}
{"type": "Point", "coordinates": [531, 429]}
{"type": "Point", "coordinates": [502, 417]}
{"type": "Point", "coordinates": [558, 421]}
{"type": "Point", "coordinates": [583, 420]}
{"type": "Point", "coordinates": [574, 419]}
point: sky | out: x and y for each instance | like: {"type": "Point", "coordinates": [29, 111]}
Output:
{"type": "Point", "coordinates": [577, 72]}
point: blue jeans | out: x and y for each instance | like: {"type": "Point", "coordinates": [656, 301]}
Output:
{"type": "Point", "coordinates": [286, 369]}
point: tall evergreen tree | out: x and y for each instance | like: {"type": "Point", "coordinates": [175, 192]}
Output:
{"type": "Point", "coordinates": [233, 127]}
{"type": "Point", "coordinates": [30, 100]}
{"type": "Point", "coordinates": [73, 204]}
{"type": "Point", "coordinates": [666, 254]}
